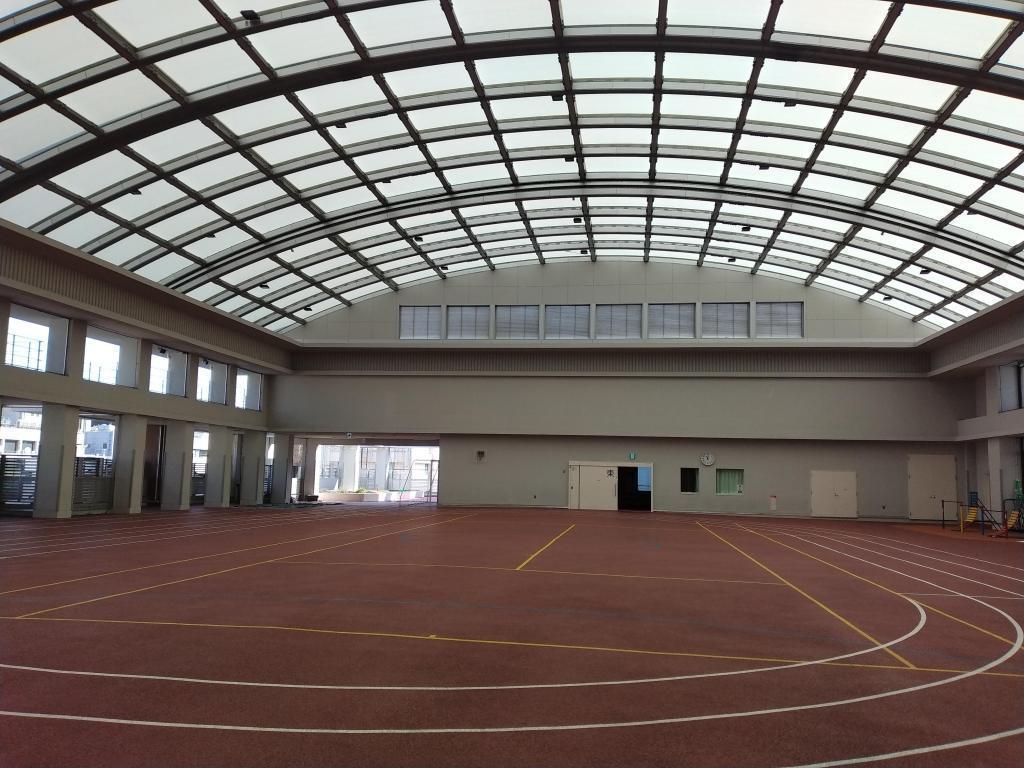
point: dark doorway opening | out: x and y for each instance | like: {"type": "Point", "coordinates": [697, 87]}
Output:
{"type": "Point", "coordinates": [635, 489]}
{"type": "Point", "coordinates": [153, 465]}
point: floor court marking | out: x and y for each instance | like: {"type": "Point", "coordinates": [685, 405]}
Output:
{"type": "Point", "coordinates": [527, 560]}
{"type": "Point", "coordinates": [814, 600]}
{"type": "Point", "coordinates": [966, 623]}
{"type": "Point", "coordinates": [946, 594]}
{"type": "Point", "coordinates": [533, 570]}
{"type": "Point", "coordinates": [236, 568]}
{"type": "Point", "coordinates": [197, 557]}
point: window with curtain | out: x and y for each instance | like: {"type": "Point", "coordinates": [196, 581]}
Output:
{"type": "Point", "coordinates": [469, 322]}
{"type": "Point", "coordinates": [619, 321]}
{"type": "Point", "coordinates": [420, 322]}
{"type": "Point", "coordinates": [567, 321]}
{"type": "Point", "coordinates": [671, 321]}
{"type": "Point", "coordinates": [780, 319]}
{"type": "Point", "coordinates": [517, 321]}
{"type": "Point", "coordinates": [725, 321]}
{"type": "Point", "coordinates": [729, 481]}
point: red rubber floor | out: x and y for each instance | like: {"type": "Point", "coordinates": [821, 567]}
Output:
{"type": "Point", "coordinates": [383, 636]}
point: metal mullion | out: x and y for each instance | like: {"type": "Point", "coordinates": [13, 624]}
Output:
{"type": "Point", "coordinates": [974, 286]}
{"type": "Point", "coordinates": [661, 28]}
{"type": "Point", "coordinates": [712, 223]}
{"type": "Point", "coordinates": [528, 225]}
{"type": "Point", "coordinates": [253, 300]}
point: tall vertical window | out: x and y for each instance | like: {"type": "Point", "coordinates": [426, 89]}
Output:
{"type": "Point", "coordinates": [419, 322]}
{"type": "Point", "coordinates": [469, 322]}
{"type": "Point", "coordinates": [780, 319]}
{"type": "Point", "coordinates": [1011, 386]}
{"type": "Point", "coordinates": [110, 358]}
{"type": "Point", "coordinates": [619, 321]}
{"type": "Point", "coordinates": [517, 321]}
{"type": "Point", "coordinates": [671, 321]}
{"type": "Point", "coordinates": [35, 340]}
{"type": "Point", "coordinates": [567, 321]}
{"type": "Point", "coordinates": [247, 390]}
{"type": "Point", "coordinates": [725, 321]}
{"type": "Point", "coordinates": [167, 371]}
{"type": "Point", "coordinates": [212, 382]}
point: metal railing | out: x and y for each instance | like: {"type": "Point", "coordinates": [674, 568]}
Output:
{"type": "Point", "coordinates": [18, 483]}
{"type": "Point", "coordinates": [25, 352]}
{"type": "Point", "coordinates": [93, 487]}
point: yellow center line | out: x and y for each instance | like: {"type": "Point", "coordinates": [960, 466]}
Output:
{"type": "Point", "coordinates": [200, 557]}
{"type": "Point", "coordinates": [235, 568]}
{"type": "Point", "coordinates": [532, 570]}
{"type": "Point", "coordinates": [813, 599]}
{"type": "Point", "coordinates": [527, 560]}
{"type": "Point", "coordinates": [512, 643]}
{"type": "Point", "coordinates": [966, 623]}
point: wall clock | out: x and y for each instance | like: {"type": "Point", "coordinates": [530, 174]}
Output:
{"type": "Point", "coordinates": [707, 458]}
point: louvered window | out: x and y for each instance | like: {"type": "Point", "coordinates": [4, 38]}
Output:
{"type": "Point", "coordinates": [725, 321]}
{"type": "Point", "coordinates": [517, 321]}
{"type": "Point", "coordinates": [469, 322]}
{"type": "Point", "coordinates": [780, 319]}
{"type": "Point", "coordinates": [567, 321]}
{"type": "Point", "coordinates": [420, 323]}
{"type": "Point", "coordinates": [619, 321]}
{"type": "Point", "coordinates": [670, 321]}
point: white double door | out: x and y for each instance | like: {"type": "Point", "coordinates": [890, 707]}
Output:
{"type": "Point", "coordinates": [593, 486]}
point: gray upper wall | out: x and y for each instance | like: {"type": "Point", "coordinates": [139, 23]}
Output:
{"type": "Point", "coordinates": [828, 316]}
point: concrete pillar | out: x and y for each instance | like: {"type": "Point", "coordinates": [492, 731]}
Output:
{"type": "Point", "coordinates": [992, 492]}
{"type": "Point", "coordinates": [284, 446]}
{"type": "Point", "coordinates": [310, 471]}
{"type": "Point", "coordinates": [349, 468]}
{"type": "Point", "coordinates": [75, 360]}
{"type": "Point", "coordinates": [229, 387]}
{"type": "Point", "coordinates": [129, 463]}
{"type": "Point", "coordinates": [218, 468]}
{"type": "Point", "coordinates": [254, 459]}
{"type": "Point", "coordinates": [56, 469]}
{"type": "Point", "coordinates": [192, 377]}
{"type": "Point", "coordinates": [145, 362]}
{"type": "Point", "coordinates": [381, 482]}
{"type": "Point", "coordinates": [5, 316]}
{"type": "Point", "coordinates": [176, 478]}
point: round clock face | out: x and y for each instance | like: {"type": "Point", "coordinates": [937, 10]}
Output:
{"type": "Point", "coordinates": [707, 458]}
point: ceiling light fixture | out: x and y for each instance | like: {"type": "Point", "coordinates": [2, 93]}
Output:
{"type": "Point", "coordinates": [264, 286]}
{"type": "Point", "coordinates": [585, 251]}
{"type": "Point", "coordinates": [732, 259]}
{"type": "Point", "coordinates": [341, 124]}
{"type": "Point", "coordinates": [745, 228]}
{"type": "Point", "coordinates": [250, 15]}
{"type": "Point", "coordinates": [418, 238]}
{"type": "Point", "coordinates": [558, 97]}
{"type": "Point", "coordinates": [887, 298]}
{"type": "Point", "coordinates": [307, 309]}
{"type": "Point", "coordinates": [135, 191]}
{"type": "Point", "coordinates": [763, 166]}
{"type": "Point", "coordinates": [789, 103]}
{"type": "Point", "coordinates": [570, 158]}
{"type": "Point", "coordinates": [577, 219]}
{"type": "Point", "coordinates": [925, 271]}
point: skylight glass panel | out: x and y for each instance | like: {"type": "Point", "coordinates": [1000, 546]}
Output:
{"type": "Point", "coordinates": [616, 65]}
{"type": "Point", "coordinates": [454, 115]}
{"type": "Point", "coordinates": [94, 175]}
{"type": "Point", "coordinates": [437, 78]}
{"type": "Point", "coordinates": [837, 186]}
{"type": "Point", "coordinates": [278, 219]}
{"type": "Point", "coordinates": [124, 249]}
{"type": "Point", "coordinates": [413, 277]}
{"type": "Point", "coordinates": [176, 142]}
{"type": "Point", "coordinates": [248, 197]}
{"type": "Point", "coordinates": [345, 94]}
{"type": "Point", "coordinates": [530, 106]}
{"type": "Point", "coordinates": [845, 18]}
{"type": "Point", "coordinates": [700, 106]}
{"type": "Point", "coordinates": [743, 14]}
{"type": "Point", "coordinates": [640, 137]}
{"type": "Point", "coordinates": [1009, 282]}
{"type": "Point", "coordinates": [686, 138]}
{"type": "Point", "coordinates": [258, 115]}
{"type": "Point", "coordinates": [492, 209]}
{"type": "Point", "coordinates": [771, 175]}
{"type": "Point", "coordinates": [970, 266]}
{"type": "Point", "coordinates": [690, 167]}
{"type": "Point", "coordinates": [992, 108]}
{"type": "Point", "coordinates": [364, 291]}
{"type": "Point", "coordinates": [707, 66]}
{"type": "Point", "coordinates": [234, 303]}
{"type": "Point", "coordinates": [872, 126]}
{"type": "Point", "coordinates": [543, 167]}
{"type": "Point", "coordinates": [345, 199]}
{"type": "Point", "coordinates": [801, 114]}
{"type": "Point", "coordinates": [400, 24]}
{"type": "Point", "coordinates": [301, 42]}
{"type": "Point", "coordinates": [116, 97]}
{"type": "Point", "coordinates": [959, 146]}
{"type": "Point", "coordinates": [533, 139]}
{"type": "Point", "coordinates": [68, 46]}
{"type": "Point", "coordinates": [31, 206]}
{"type": "Point", "coordinates": [1004, 197]}
{"type": "Point", "coordinates": [209, 66]}
{"type": "Point", "coordinates": [614, 103]}
{"type": "Point", "coordinates": [889, 239]}
{"type": "Point", "coordinates": [897, 89]}
{"type": "Point", "coordinates": [945, 30]}
{"type": "Point", "coordinates": [803, 219]}
{"type": "Point", "coordinates": [940, 178]}
{"type": "Point", "coordinates": [771, 145]}
{"type": "Point", "coordinates": [369, 128]}
{"type": "Point", "coordinates": [796, 74]}
{"type": "Point", "coordinates": [186, 221]}
{"type": "Point", "coordinates": [291, 147]}
{"type": "Point", "coordinates": [594, 12]}
{"type": "Point", "coordinates": [81, 229]}
{"type": "Point", "coordinates": [1007, 234]}
{"type": "Point", "coordinates": [335, 171]}
{"type": "Point", "coordinates": [207, 246]}
{"type": "Point", "coordinates": [164, 267]}
{"type": "Point", "coordinates": [390, 158]}
{"type": "Point", "coordinates": [33, 131]}
{"type": "Point", "coordinates": [7, 88]}
{"type": "Point", "coordinates": [617, 164]}
{"type": "Point", "coordinates": [142, 22]}
{"type": "Point", "coordinates": [470, 145]}
{"type": "Point", "coordinates": [519, 69]}
{"type": "Point", "coordinates": [406, 185]}
{"type": "Point", "coordinates": [915, 292]}
{"type": "Point", "coordinates": [929, 209]}
{"type": "Point", "coordinates": [215, 172]}
{"type": "Point", "coordinates": [855, 158]}
{"type": "Point", "coordinates": [239, 276]}
{"type": "Point", "coordinates": [281, 325]}
{"type": "Point", "coordinates": [489, 15]}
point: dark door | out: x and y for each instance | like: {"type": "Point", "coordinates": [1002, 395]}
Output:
{"type": "Point", "coordinates": [635, 488]}
{"type": "Point", "coordinates": [153, 465]}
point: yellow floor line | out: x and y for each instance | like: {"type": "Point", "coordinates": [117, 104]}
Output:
{"type": "Point", "coordinates": [966, 623]}
{"type": "Point", "coordinates": [530, 570]}
{"type": "Point", "coordinates": [512, 643]}
{"type": "Point", "coordinates": [527, 560]}
{"type": "Point", "coordinates": [813, 599]}
{"type": "Point", "coordinates": [236, 568]}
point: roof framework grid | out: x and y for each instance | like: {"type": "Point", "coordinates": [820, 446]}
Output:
{"type": "Point", "coordinates": [319, 152]}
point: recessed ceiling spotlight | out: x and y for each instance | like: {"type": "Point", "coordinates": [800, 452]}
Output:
{"type": "Point", "coordinates": [162, 350]}
{"type": "Point", "coordinates": [789, 103]}
{"type": "Point", "coordinates": [570, 158]}
{"type": "Point", "coordinates": [341, 124]}
{"type": "Point", "coordinates": [418, 238]}
{"type": "Point", "coordinates": [577, 219]}
{"type": "Point", "coordinates": [925, 271]}
{"type": "Point", "coordinates": [732, 259]}
{"type": "Point", "coordinates": [763, 166]}
{"type": "Point", "coordinates": [307, 309]}
{"type": "Point", "coordinates": [264, 286]}
{"type": "Point", "coordinates": [211, 236]}
{"type": "Point", "coordinates": [558, 97]}
{"type": "Point", "coordinates": [887, 298]}
{"type": "Point", "coordinates": [135, 191]}
{"type": "Point", "coordinates": [444, 267]}
{"type": "Point", "coordinates": [251, 16]}
{"type": "Point", "coordinates": [585, 251]}
{"type": "Point", "coordinates": [745, 228]}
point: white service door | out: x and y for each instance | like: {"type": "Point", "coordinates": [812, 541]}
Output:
{"type": "Point", "coordinates": [930, 479]}
{"type": "Point", "coordinates": [833, 494]}
{"type": "Point", "coordinates": [599, 487]}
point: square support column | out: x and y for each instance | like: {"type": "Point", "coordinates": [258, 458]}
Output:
{"type": "Point", "coordinates": [176, 478]}
{"type": "Point", "coordinates": [218, 468]}
{"type": "Point", "coordinates": [5, 317]}
{"type": "Point", "coordinates": [284, 447]}
{"type": "Point", "coordinates": [74, 362]}
{"type": "Point", "coordinates": [129, 463]}
{"type": "Point", "coordinates": [56, 470]}
{"type": "Point", "coordinates": [310, 471]}
{"type": "Point", "coordinates": [254, 461]}
{"type": "Point", "coordinates": [992, 493]}
{"type": "Point", "coordinates": [349, 468]}
{"type": "Point", "coordinates": [381, 469]}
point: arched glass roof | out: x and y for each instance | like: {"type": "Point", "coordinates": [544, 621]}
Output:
{"type": "Point", "coordinates": [279, 161]}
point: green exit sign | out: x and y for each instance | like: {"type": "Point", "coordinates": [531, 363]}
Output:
{"type": "Point", "coordinates": [632, 455]}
